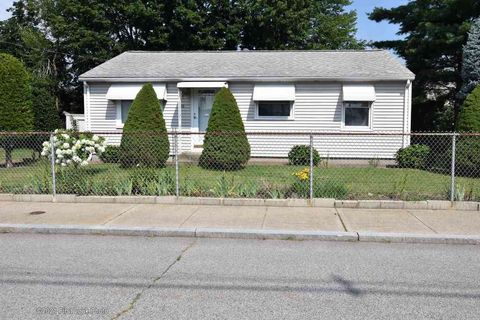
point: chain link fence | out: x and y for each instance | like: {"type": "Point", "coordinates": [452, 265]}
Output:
{"type": "Point", "coordinates": [417, 166]}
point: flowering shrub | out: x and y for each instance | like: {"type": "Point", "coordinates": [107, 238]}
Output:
{"type": "Point", "coordinates": [73, 148]}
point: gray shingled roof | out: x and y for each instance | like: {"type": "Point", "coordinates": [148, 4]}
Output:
{"type": "Point", "coordinates": [244, 65]}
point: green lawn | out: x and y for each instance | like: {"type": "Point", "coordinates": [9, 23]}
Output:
{"type": "Point", "coordinates": [18, 156]}
{"type": "Point", "coordinates": [268, 181]}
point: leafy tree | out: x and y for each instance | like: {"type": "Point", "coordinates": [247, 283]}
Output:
{"type": "Point", "coordinates": [435, 32]}
{"type": "Point", "coordinates": [469, 117]}
{"type": "Point", "coordinates": [225, 146]}
{"type": "Point", "coordinates": [145, 140]}
{"type": "Point", "coordinates": [303, 24]}
{"type": "Point", "coordinates": [15, 104]}
{"type": "Point", "coordinates": [65, 38]}
{"type": "Point", "coordinates": [471, 61]}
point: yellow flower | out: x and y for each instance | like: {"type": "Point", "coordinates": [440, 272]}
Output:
{"type": "Point", "coordinates": [302, 174]}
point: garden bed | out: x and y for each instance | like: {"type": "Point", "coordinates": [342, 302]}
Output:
{"type": "Point", "coordinates": [254, 181]}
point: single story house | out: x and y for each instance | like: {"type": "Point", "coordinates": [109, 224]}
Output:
{"type": "Point", "coordinates": [360, 92]}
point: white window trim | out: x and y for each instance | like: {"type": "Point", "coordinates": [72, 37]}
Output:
{"type": "Point", "coordinates": [118, 122]}
{"type": "Point", "coordinates": [275, 118]}
{"type": "Point", "coordinates": [359, 128]}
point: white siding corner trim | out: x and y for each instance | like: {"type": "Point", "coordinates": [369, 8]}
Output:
{"type": "Point", "coordinates": [128, 91]}
{"type": "Point", "coordinates": [359, 92]}
{"type": "Point", "coordinates": [202, 84]}
{"type": "Point", "coordinates": [274, 92]}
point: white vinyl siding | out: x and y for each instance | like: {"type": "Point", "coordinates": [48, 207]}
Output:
{"type": "Point", "coordinates": [318, 108]}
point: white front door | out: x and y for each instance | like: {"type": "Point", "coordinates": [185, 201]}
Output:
{"type": "Point", "coordinates": [201, 113]}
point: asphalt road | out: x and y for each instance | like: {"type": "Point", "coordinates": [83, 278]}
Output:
{"type": "Point", "coordinates": [99, 277]}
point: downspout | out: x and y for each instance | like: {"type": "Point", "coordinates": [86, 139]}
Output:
{"type": "Point", "coordinates": [86, 105]}
{"type": "Point", "coordinates": [407, 107]}
{"type": "Point", "coordinates": [179, 119]}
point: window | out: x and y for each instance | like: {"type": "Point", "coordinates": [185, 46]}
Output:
{"type": "Point", "coordinates": [274, 109]}
{"type": "Point", "coordinates": [123, 106]}
{"type": "Point", "coordinates": [356, 114]}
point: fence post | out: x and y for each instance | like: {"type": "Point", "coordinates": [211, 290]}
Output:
{"type": "Point", "coordinates": [452, 187]}
{"type": "Point", "coordinates": [52, 163]}
{"type": "Point", "coordinates": [177, 180]}
{"type": "Point", "coordinates": [311, 167]}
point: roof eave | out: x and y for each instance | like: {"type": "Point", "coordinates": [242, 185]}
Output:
{"type": "Point", "coordinates": [243, 79]}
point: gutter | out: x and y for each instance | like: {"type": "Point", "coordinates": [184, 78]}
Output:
{"type": "Point", "coordinates": [241, 79]}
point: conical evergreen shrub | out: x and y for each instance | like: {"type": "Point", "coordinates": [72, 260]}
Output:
{"type": "Point", "coordinates": [144, 140]}
{"type": "Point", "coordinates": [225, 146]}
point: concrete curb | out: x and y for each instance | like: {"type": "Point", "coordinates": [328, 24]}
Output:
{"type": "Point", "coordinates": [361, 236]}
{"type": "Point", "coordinates": [180, 232]}
{"type": "Point", "coordinates": [365, 236]}
{"type": "Point", "coordinates": [317, 202]}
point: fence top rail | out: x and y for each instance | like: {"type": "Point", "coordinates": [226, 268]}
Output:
{"type": "Point", "coordinates": [260, 133]}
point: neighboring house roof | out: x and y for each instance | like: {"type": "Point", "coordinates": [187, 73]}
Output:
{"type": "Point", "coordinates": [247, 65]}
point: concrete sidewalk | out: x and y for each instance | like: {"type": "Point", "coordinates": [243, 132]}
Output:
{"type": "Point", "coordinates": [373, 223]}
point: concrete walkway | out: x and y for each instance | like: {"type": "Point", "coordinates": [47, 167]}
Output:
{"type": "Point", "coordinates": [419, 222]}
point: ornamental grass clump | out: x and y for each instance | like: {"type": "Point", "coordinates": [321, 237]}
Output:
{"type": "Point", "coordinates": [73, 148]}
{"type": "Point", "coordinates": [225, 146]}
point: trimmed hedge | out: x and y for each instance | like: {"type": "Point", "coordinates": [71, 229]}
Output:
{"type": "Point", "coordinates": [467, 156]}
{"type": "Point", "coordinates": [144, 140]}
{"type": "Point", "coordinates": [469, 116]}
{"type": "Point", "coordinates": [414, 156]}
{"type": "Point", "coordinates": [225, 146]}
{"type": "Point", "coordinates": [110, 155]}
{"type": "Point", "coordinates": [16, 112]}
{"type": "Point", "coordinates": [299, 155]}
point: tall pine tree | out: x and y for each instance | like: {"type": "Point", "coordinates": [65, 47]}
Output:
{"type": "Point", "coordinates": [471, 61]}
{"type": "Point", "coordinates": [434, 33]}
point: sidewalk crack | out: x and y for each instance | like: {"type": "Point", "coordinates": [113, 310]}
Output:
{"type": "Point", "coordinates": [191, 215]}
{"type": "Point", "coordinates": [154, 281]}
{"type": "Point", "coordinates": [426, 225]}
{"type": "Point", "coordinates": [341, 220]}
{"type": "Point", "coordinates": [121, 213]}
{"type": "Point", "coordinates": [264, 217]}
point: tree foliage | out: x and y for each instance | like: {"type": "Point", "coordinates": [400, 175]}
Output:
{"type": "Point", "coordinates": [15, 103]}
{"type": "Point", "coordinates": [469, 117]}
{"type": "Point", "coordinates": [15, 95]}
{"type": "Point", "coordinates": [145, 140]}
{"type": "Point", "coordinates": [302, 24]}
{"type": "Point", "coordinates": [225, 146]}
{"type": "Point", "coordinates": [46, 117]}
{"type": "Point", "coordinates": [64, 38]}
{"type": "Point", "coordinates": [434, 32]}
{"type": "Point", "coordinates": [471, 61]}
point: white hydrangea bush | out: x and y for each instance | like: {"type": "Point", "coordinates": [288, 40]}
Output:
{"type": "Point", "coordinates": [73, 148]}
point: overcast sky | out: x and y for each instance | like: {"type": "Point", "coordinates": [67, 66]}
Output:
{"type": "Point", "coordinates": [367, 30]}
